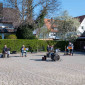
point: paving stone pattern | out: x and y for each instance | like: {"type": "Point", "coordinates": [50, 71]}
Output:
{"type": "Point", "coordinates": [30, 70]}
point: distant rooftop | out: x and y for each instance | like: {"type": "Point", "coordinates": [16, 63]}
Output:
{"type": "Point", "coordinates": [49, 25]}
{"type": "Point", "coordinates": [7, 30]}
{"type": "Point", "coordinates": [80, 18]}
{"type": "Point", "coordinates": [9, 15]}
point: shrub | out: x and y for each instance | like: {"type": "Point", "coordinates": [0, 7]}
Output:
{"type": "Point", "coordinates": [25, 32]}
{"type": "Point", "coordinates": [61, 45]}
{"type": "Point", "coordinates": [12, 36]}
{"type": "Point", "coordinates": [33, 45]}
{"type": "Point", "coordinates": [0, 37]}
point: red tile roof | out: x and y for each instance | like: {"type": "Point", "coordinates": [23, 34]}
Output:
{"type": "Point", "coordinates": [49, 25]}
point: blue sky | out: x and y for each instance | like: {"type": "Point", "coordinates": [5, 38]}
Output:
{"type": "Point", "coordinates": [1, 0]}
{"type": "Point", "coordinates": [74, 7]}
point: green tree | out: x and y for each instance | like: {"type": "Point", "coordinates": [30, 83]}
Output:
{"type": "Point", "coordinates": [40, 18]}
{"type": "Point", "coordinates": [25, 32]}
{"type": "Point", "coordinates": [43, 32]}
{"type": "Point", "coordinates": [71, 36]}
{"type": "Point", "coordinates": [26, 9]}
{"type": "Point", "coordinates": [66, 25]}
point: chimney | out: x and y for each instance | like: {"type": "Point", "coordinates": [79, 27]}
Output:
{"type": "Point", "coordinates": [1, 11]}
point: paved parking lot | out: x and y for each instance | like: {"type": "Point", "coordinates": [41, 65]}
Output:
{"type": "Point", "coordinates": [30, 70]}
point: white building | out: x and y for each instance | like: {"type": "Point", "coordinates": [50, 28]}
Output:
{"type": "Point", "coordinates": [6, 28]}
{"type": "Point", "coordinates": [81, 28]}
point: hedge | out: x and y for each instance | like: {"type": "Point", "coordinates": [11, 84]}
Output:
{"type": "Point", "coordinates": [16, 44]}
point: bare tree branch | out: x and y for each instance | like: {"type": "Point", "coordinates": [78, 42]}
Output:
{"type": "Point", "coordinates": [25, 8]}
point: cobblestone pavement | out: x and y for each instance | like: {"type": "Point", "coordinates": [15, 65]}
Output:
{"type": "Point", "coordinates": [30, 70]}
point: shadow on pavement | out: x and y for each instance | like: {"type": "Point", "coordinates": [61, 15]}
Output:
{"type": "Point", "coordinates": [14, 56]}
{"type": "Point", "coordinates": [81, 53]}
{"type": "Point", "coordinates": [36, 59]}
{"type": "Point", "coordinates": [48, 60]}
{"type": "Point", "coordinates": [38, 55]}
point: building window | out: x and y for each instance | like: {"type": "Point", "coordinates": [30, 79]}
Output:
{"type": "Point", "coordinates": [55, 28]}
{"type": "Point", "coordinates": [82, 27]}
{"type": "Point", "coordinates": [53, 34]}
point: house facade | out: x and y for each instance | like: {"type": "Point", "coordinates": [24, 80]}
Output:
{"type": "Point", "coordinates": [6, 29]}
{"type": "Point", "coordinates": [81, 28]}
{"type": "Point", "coordinates": [49, 30]}
{"type": "Point", "coordinates": [80, 42]}
{"type": "Point", "coordinates": [53, 28]}
{"type": "Point", "coordinates": [49, 23]}
{"type": "Point", "coordinates": [8, 21]}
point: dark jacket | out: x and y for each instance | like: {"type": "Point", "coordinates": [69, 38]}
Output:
{"type": "Point", "coordinates": [5, 50]}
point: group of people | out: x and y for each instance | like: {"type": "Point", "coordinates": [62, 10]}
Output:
{"type": "Point", "coordinates": [50, 48]}
{"type": "Point", "coordinates": [69, 49]}
{"type": "Point", "coordinates": [6, 51]}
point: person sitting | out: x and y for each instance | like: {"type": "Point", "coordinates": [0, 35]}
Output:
{"type": "Point", "coordinates": [8, 52]}
{"type": "Point", "coordinates": [52, 48]}
{"type": "Point", "coordinates": [23, 50]}
{"type": "Point", "coordinates": [48, 48]}
{"type": "Point", "coordinates": [70, 48]}
{"type": "Point", "coordinates": [5, 51]}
